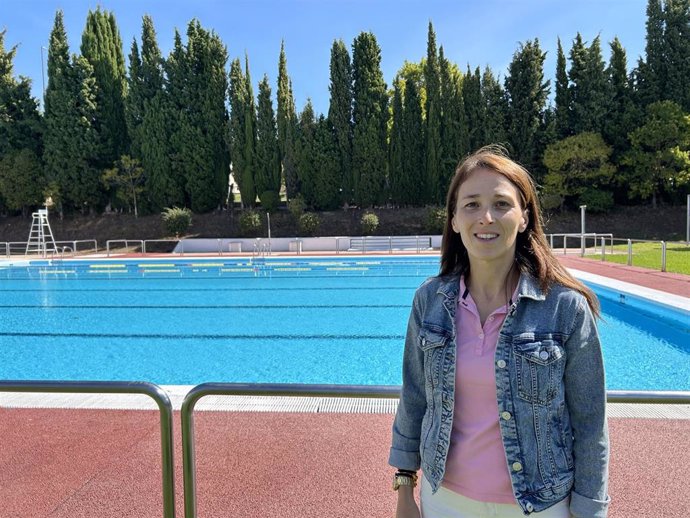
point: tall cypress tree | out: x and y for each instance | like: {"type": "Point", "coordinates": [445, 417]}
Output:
{"type": "Point", "coordinates": [526, 92]}
{"type": "Point", "coordinates": [306, 161]}
{"type": "Point", "coordinates": [432, 149]}
{"type": "Point", "coordinates": [474, 108]}
{"type": "Point", "coordinates": [267, 164]}
{"type": "Point", "coordinates": [238, 112]}
{"type": "Point", "coordinates": [395, 146]}
{"type": "Point", "coordinates": [652, 81]}
{"type": "Point", "coordinates": [454, 135]}
{"type": "Point", "coordinates": [370, 116]}
{"type": "Point", "coordinates": [495, 108]}
{"type": "Point", "coordinates": [286, 121]}
{"type": "Point", "coordinates": [562, 111]}
{"type": "Point", "coordinates": [617, 124]}
{"type": "Point", "coordinates": [413, 161]}
{"type": "Point", "coordinates": [327, 173]}
{"type": "Point", "coordinates": [340, 114]}
{"type": "Point", "coordinates": [102, 47]}
{"type": "Point", "coordinates": [677, 52]}
{"type": "Point", "coordinates": [249, 172]}
{"type": "Point", "coordinates": [577, 91]}
{"type": "Point", "coordinates": [596, 88]}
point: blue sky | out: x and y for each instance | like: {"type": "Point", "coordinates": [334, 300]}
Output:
{"type": "Point", "coordinates": [480, 33]}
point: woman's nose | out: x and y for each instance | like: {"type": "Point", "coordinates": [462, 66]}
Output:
{"type": "Point", "coordinates": [486, 217]}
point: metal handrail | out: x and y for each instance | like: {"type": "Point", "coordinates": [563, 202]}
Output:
{"type": "Point", "coordinates": [355, 391]}
{"type": "Point", "coordinates": [246, 389]}
{"type": "Point", "coordinates": [120, 387]}
{"type": "Point", "coordinates": [177, 240]}
{"type": "Point", "coordinates": [125, 241]}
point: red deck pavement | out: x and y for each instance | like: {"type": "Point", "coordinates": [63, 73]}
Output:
{"type": "Point", "coordinates": [84, 463]}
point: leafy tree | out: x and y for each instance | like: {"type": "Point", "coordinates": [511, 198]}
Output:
{"type": "Point", "coordinates": [526, 92]}
{"type": "Point", "coordinates": [562, 114]}
{"type": "Point", "coordinates": [588, 87]}
{"type": "Point", "coordinates": [577, 164]}
{"type": "Point", "coordinates": [286, 122]}
{"type": "Point", "coordinates": [101, 45]}
{"type": "Point", "coordinates": [22, 181]}
{"type": "Point", "coordinates": [432, 133]}
{"type": "Point", "coordinates": [340, 114]}
{"type": "Point", "coordinates": [126, 180]}
{"type": "Point", "coordinates": [266, 152]}
{"type": "Point", "coordinates": [370, 116]}
{"type": "Point", "coordinates": [659, 157]}
{"type": "Point", "coordinates": [653, 70]}
{"type": "Point", "coordinates": [620, 115]}
{"type": "Point", "coordinates": [395, 148]}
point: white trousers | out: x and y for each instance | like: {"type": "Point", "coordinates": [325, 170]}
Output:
{"type": "Point", "coordinates": [449, 504]}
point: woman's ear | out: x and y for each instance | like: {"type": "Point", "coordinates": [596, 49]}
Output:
{"type": "Point", "coordinates": [524, 221]}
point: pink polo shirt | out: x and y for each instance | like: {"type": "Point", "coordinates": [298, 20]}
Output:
{"type": "Point", "coordinates": [476, 466]}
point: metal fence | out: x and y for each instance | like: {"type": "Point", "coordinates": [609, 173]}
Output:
{"type": "Point", "coordinates": [62, 248]}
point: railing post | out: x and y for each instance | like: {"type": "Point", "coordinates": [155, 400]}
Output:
{"type": "Point", "coordinates": [603, 249]}
{"type": "Point", "coordinates": [663, 256]}
{"type": "Point", "coordinates": [565, 246]}
{"type": "Point", "coordinates": [629, 252]}
{"type": "Point", "coordinates": [107, 248]}
{"type": "Point", "coordinates": [390, 244]}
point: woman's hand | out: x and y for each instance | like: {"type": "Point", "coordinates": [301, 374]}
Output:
{"type": "Point", "coordinates": [407, 507]}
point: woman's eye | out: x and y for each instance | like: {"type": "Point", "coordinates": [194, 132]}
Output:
{"type": "Point", "coordinates": [471, 205]}
{"type": "Point", "coordinates": [502, 204]}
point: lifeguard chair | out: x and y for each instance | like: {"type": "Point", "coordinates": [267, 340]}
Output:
{"type": "Point", "coordinates": [41, 238]}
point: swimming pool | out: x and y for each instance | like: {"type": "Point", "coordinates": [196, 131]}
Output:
{"type": "Point", "coordinates": [279, 320]}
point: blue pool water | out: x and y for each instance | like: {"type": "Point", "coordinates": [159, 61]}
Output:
{"type": "Point", "coordinates": [280, 320]}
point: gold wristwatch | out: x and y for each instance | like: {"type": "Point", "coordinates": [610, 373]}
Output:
{"type": "Point", "coordinates": [404, 480]}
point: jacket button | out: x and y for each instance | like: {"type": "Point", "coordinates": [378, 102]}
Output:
{"type": "Point", "coordinates": [501, 364]}
{"type": "Point", "coordinates": [506, 416]}
{"type": "Point", "coordinates": [529, 507]}
{"type": "Point", "coordinates": [517, 466]}
{"type": "Point", "coordinates": [544, 355]}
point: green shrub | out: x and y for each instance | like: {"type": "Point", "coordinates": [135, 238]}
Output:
{"type": "Point", "coordinates": [250, 223]}
{"type": "Point", "coordinates": [296, 207]}
{"type": "Point", "coordinates": [597, 200]}
{"type": "Point", "coordinates": [269, 200]}
{"type": "Point", "coordinates": [369, 223]}
{"type": "Point", "coordinates": [177, 220]}
{"type": "Point", "coordinates": [551, 201]}
{"type": "Point", "coordinates": [308, 223]}
{"type": "Point", "coordinates": [435, 220]}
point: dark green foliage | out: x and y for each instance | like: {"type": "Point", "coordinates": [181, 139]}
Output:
{"type": "Point", "coordinates": [327, 174]}
{"type": "Point", "coordinates": [454, 131]}
{"type": "Point", "coordinates": [412, 184]}
{"type": "Point", "coordinates": [239, 100]}
{"type": "Point", "coordinates": [287, 123]}
{"type": "Point", "coordinates": [250, 223]}
{"type": "Point", "coordinates": [588, 89]}
{"type": "Point", "coordinates": [495, 109]}
{"type": "Point", "coordinates": [677, 52]}
{"type": "Point", "coordinates": [619, 117]}
{"type": "Point", "coordinates": [340, 115]}
{"type": "Point", "coordinates": [653, 72]}
{"type": "Point", "coordinates": [102, 47]}
{"type": "Point", "coordinates": [474, 108]}
{"type": "Point", "coordinates": [177, 220]}
{"type": "Point", "coordinates": [306, 163]}
{"type": "Point", "coordinates": [432, 133]}
{"type": "Point", "coordinates": [369, 222]}
{"type": "Point", "coordinates": [270, 200]}
{"type": "Point", "coordinates": [296, 206]}
{"type": "Point", "coordinates": [370, 116]}
{"type": "Point", "coordinates": [395, 147]}
{"type": "Point", "coordinates": [562, 114]}
{"type": "Point", "coordinates": [659, 157]}
{"type": "Point", "coordinates": [435, 220]}
{"type": "Point", "coordinates": [526, 91]}
{"type": "Point", "coordinates": [125, 183]}
{"type": "Point", "coordinates": [308, 223]}
{"type": "Point", "coordinates": [22, 181]}
{"type": "Point", "coordinates": [597, 200]}
{"type": "Point", "coordinates": [576, 164]}
{"type": "Point", "coordinates": [267, 177]}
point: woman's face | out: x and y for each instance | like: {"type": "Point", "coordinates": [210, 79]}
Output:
{"type": "Point", "coordinates": [488, 216]}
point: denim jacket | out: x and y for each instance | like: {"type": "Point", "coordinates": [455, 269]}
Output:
{"type": "Point", "coordinates": [549, 387]}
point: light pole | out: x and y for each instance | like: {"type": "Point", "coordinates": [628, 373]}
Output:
{"type": "Point", "coordinates": [43, 78]}
{"type": "Point", "coordinates": [582, 229]}
{"type": "Point", "coordinates": [268, 218]}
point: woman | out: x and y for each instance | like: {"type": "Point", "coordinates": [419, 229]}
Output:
{"type": "Point", "coordinates": [503, 397]}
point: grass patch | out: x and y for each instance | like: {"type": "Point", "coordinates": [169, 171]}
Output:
{"type": "Point", "coordinates": [648, 255]}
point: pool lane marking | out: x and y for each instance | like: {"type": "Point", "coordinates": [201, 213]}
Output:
{"type": "Point", "coordinates": [228, 306]}
{"type": "Point", "coordinates": [251, 289]}
{"type": "Point", "coordinates": [209, 337]}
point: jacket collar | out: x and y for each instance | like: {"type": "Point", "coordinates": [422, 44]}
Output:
{"type": "Point", "coordinates": [528, 287]}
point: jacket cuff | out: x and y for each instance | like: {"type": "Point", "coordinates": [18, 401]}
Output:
{"type": "Point", "coordinates": [401, 459]}
{"type": "Point", "coordinates": [583, 507]}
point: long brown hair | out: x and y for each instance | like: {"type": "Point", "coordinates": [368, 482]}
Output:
{"type": "Point", "coordinates": [532, 252]}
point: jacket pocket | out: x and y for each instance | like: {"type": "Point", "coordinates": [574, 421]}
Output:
{"type": "Point", "coordinates": [432, 342]}
{"type": "Point", "coordinates": [539, 366]}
